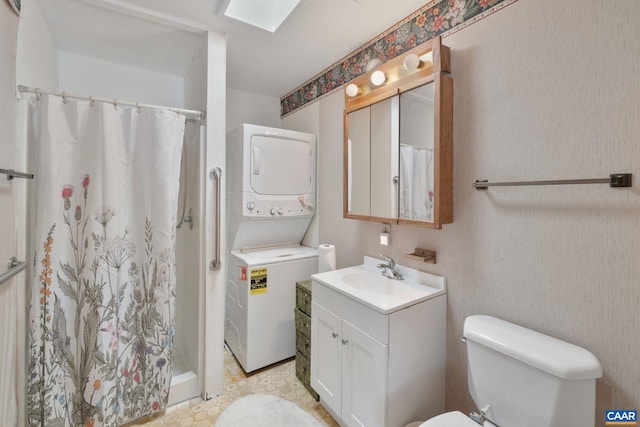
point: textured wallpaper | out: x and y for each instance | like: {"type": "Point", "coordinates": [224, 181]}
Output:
{"type": "Point", "coordinates": [440, 17]}
{"type": "Point", "coordinates": [543, 90]}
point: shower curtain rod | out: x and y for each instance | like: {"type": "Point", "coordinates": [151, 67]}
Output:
{"type": "Point", "coordinates": [115, 102]}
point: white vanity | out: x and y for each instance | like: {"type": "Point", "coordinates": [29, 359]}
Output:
{"type": "Point", "coordinates": [378, 345]}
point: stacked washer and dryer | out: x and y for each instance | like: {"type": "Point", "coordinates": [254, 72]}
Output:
{"type": "Point", "coordinates": [271, 178]}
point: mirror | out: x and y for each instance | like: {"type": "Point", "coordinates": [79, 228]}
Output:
{"type": "Point", "coordinates": [416, 189]}
{"type": "Point", "coordinates": [359, 164]}
{"type": "Point", "coordinates": [398, 143]}
{"type": "Point", "coordinates": [372, 157]}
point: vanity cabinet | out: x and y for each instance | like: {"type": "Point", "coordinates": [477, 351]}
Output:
{"type": "Point", "coordinates": [351, 370]}
{"type": "Point", "coordinates": [377, 369]}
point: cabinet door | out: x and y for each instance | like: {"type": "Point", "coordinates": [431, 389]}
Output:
{"type": "Point", "coordinates": [326, 356]}
{"type": "Point", "coordinates": [364, 378]}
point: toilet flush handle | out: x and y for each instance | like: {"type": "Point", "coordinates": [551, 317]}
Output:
{"type": "Point", "coordinates": [481, 417]}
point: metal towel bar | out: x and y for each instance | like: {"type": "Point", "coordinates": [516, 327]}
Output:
{"type": "Point", "coordinates": [617, 180]}
{"type": "Point", "coordinates": [15, 174]}
{"type": "Point", "coordinates": [15, 267]}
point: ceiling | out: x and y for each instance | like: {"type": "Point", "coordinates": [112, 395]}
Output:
{"type": "Point", "coordinates": [163, 35]}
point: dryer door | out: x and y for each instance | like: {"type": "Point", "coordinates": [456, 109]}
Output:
{"type": "Point", "coordinates": [280, 166]}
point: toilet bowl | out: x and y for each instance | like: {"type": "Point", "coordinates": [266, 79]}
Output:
{"type": "Point", "coordinates": [502, 356]}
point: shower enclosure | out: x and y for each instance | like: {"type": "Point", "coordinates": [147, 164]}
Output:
{"type": "Point", "coordinates": [199, 84]}
{"type": "Point", "coordinates": [186, 383]}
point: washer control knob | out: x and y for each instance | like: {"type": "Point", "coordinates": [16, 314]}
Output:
{"type": "Point", "coordinates": [251, 205]}
{"type": "Point", "coordinates": [310, 206]}
{"type": "Point", "coordinates": [272, 211]}
{"type": "Point", "coordinates": [280, 211]}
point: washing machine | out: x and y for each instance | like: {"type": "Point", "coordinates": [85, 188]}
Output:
{"type": "Point", "coordinates": [270, 181]}
{"type": "Point", "coordinates": [259, 322]}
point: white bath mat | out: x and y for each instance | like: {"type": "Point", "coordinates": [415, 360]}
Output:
{"type": "Point", "coordinates": [259, 410]}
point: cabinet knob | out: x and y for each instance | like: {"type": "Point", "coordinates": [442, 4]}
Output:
{"type": "Point", "coordinates": [345, 342]}
{"type": "Point", "coordinates": [334, 334]}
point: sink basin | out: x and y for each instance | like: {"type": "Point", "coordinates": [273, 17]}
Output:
{"type": "Point", "coordinates": [367, 285]}
{"type": "Point", "coordinates": [366, 281]}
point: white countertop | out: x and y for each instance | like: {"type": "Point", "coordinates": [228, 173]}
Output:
{"type": "Point", "coordinates": [365, 283]}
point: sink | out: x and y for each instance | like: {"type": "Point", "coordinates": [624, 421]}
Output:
{"type": "Point", "coordinates": [367, 285]}
{"type": "Point", "coordinates": [366, 281]}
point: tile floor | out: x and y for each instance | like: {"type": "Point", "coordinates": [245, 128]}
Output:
{"type": "Point", "coordinates": [279, 380]}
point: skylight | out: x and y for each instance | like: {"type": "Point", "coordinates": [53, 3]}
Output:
{"type": "Point", "coordinates": [268, 15]}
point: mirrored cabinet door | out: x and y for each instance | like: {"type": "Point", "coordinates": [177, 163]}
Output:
{"type": "Point", "coordinates": [372, 161]}
{"type": "Point", "coordinates": [416, 183]}
{"type": "Point", "coordinates": [358, 165]}
{"type": "Point", "coordinates": [385, 134]}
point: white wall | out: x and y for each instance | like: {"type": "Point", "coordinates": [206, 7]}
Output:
{"type": "Point", "coordinates": [215, 157]}
{"type": "Point", "coordinates": [83, 75]}
{"type": "Point", "coordinates": [253, 108]}
{"type": "Point", "coordinates": [37, 61]}
{"type": "Point", "coordinates": [543, 90]}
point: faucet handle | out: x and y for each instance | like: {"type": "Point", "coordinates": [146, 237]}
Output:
{"type": "Point", "coordinates": [390, 260]}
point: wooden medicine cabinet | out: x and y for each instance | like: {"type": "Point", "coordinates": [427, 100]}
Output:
{"type": "Point", "coordinates": [398, 140]}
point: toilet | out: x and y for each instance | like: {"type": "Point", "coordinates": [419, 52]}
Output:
{"type": "Point", "coordinates": [522, 378]}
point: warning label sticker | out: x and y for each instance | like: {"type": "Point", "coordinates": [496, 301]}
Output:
{"type": "Point", "coordinates": [258, 283]}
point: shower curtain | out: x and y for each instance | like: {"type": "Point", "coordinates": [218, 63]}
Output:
{"type": "Point", "coordinates": [103, 292]}
{"type": "Point", "coordinates": [416, 180]}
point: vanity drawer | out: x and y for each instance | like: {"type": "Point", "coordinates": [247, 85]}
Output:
{"type": "Point", "coordinates": [303, 344]}
{"type": "Point", "coordinates": [303, 296]}
{"type": "Point", "coordinates": [303, 323]}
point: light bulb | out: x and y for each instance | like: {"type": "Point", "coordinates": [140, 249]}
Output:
{"type": "Point", "coordinates": [411, 62]}
{"type": "Point", "coordinates": [377, 78]}
{"type": "Point", "coordinates": [352, 90]}
{"type": "Point", "coordinates": [374, 63]}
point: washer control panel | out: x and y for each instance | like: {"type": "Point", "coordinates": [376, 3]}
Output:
{"type": "Point", "coordinates": [256, 206]}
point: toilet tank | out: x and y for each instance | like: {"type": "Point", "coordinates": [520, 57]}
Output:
{"type": "Point", "coordinates": [529, 379]}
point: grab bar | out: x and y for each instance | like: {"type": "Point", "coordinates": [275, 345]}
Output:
{"type": "Point", "coordinates": [15, 267]}
{"type": "Point", "coordinates": [216, 174]}
{"type": "Point", "coordinates": [15, 174]}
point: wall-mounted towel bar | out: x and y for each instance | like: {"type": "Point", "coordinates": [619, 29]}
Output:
{"type": "Point", "coordinates": [15, 267]}
{"type": "Point", "coordinates": [616, 181]}
{"type": "Point", "coordinates": [15, 174]}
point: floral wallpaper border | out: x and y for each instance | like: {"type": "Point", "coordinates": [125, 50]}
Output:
{"type": "Point", "coordinates": [438, 17]}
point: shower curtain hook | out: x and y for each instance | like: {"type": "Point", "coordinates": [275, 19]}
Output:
{"type": "Point", "coordinates": [38, 93]}
{"type": "Point", "coordinates": [178, 112]}
{"type": "Point", "coordinates": [64, 97]}
{"type": "Point", "coordinates": [139, 108]}
{"type": "Point", "coordinates": [91, 101]}
{"type": "Point", "coordinates": [115, 103]}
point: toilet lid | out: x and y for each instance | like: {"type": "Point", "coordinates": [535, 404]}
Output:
{"type": "Point", "coordinates": [450, 419]}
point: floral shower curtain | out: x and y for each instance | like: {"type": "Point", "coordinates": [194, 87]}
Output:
{"type": "Point", "coordinates": [103, 291]}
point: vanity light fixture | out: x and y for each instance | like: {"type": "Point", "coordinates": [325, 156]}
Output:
{"type": "Point", "coordinates": [352, 90]}
{"type": "Point", "coordinates": [374, 63]}
{"type": "Point", "coordinates": [378, 78]}
{"type": "Point", "coordinates": [412, 62]}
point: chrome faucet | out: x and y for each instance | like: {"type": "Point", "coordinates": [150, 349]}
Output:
{"type": "Point", "coordinates": [390, 269]}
